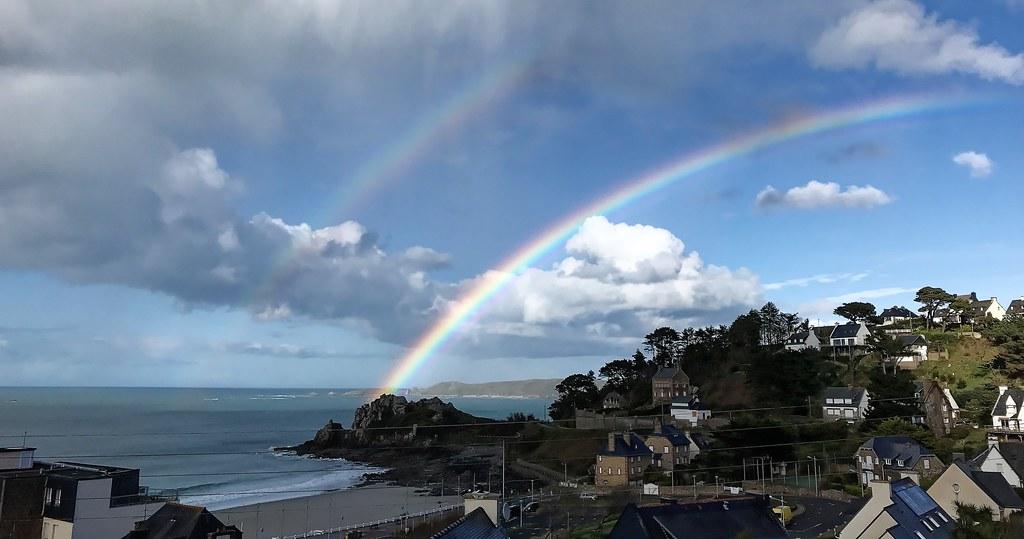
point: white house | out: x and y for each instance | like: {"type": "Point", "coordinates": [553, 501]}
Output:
{"type": "Point", "coordinates": [915, 350]}
{"type": "Point", "coordinates": [1008, 411]}
{"type": "Point", "coordinates": [849, 403]}
{"type": "Point", "coordinates": [802, 340]}
{"type": "Point", "coordinates": [1006, 458]}
{"type": "Point", "coordinates": [689, 409]}
{"type": "Point", "coordinates": [851, 334]}
{"type": "Point", "coordinates": [989, 308]}
{"type": "Point", "coordinates": [895, 314]}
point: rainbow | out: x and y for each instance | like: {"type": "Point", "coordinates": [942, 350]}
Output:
{"type": "Point", "coordinates": [386, 166]}
{"type": "Point", "coordinates": [673, 171]}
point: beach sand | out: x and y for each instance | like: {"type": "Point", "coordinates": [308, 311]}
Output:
{"type": "Point", "coordinates": [329, 510]}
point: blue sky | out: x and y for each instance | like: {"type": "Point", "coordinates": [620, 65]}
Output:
{"type": "Point", "coordinates": [172, 179]}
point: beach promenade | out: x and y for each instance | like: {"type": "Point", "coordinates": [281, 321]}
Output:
{"type": "Point", "coordinates": [330, 510]}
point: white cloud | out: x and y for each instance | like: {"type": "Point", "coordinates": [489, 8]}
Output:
{"type": "Point", "coordinates": [821, 278]}
{"type": "Point", "coordinates": [616, 283]}
{"type": "Point", "coordinates": [979, 163]}
{"type": "Point", "coordinates": [899, 35]}
{"type": "Point", "coordinates": [821, 195]}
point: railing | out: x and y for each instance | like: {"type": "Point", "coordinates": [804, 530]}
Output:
{"type": "Point", "coordinates": [380, 522]}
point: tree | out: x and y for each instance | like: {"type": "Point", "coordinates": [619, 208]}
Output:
{"type": "Point", "coordinates": [931, 300]}
{"type": "Point", "coordinates": [855, 311]}
{"type": "Point", "coordinates": [888, 348]}
{"type": "Point", "coordinates": [892, 395]}
{"type": "Point", "coordinates": [663, 345]}
{"type": "Point", "coordinates": [974, 522]}
{"type": "Point", "coordinates": [745, 331]}
{"type": "Point", "coordinates": [621, 375]}
{"type": "Point", "coordinates": [775, 324]}
{"type": "Point", "coordinates": [962, 308]}
{"type": "Point", "coordinates": [576, 391]}
{"type": "Point", "coordinates": [1008, 335]}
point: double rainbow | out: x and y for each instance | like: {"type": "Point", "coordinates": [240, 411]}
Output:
{"type": "Point", "coordinates": [673, 171]}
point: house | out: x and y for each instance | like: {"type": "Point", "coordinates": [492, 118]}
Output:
{"type": "Point", "coordinates": [1008, 411]}
{"type": "Point", "coordinates": [87, 500]}
{"type": "Point", "coordinates": [689, 411]}
{"type": "Point", "coordinates": [988, 308]}
{"type": "Point", "coordinates": [22, 491]}
{"type": "Point", "coordinates": [670, 446]}
{"type": "Point", "coordinates": [961, 483]}
{"type": "Point", "coordinates": [849, 403]}
{"type": "Point", "coordinates": [178, 521]}
{"type": "Point", "coordinates": [941, 411]}
{"type": "Point", "coordinates": [1016, 307]}
{"type": "Point", "coordinates": [898, 510]}
{"type": "Point", "coordinates": [915, 350]}
{"type": "Point", "coordinates": [669, 383]}
{"type": "Point", "coordinates": [802, 340]}
{"type": "Point", "coordinates": [1005, 458]}
{"type": "Point", "coordinates": [895, 457]}
{"type": "Point", "coordinates": [477, 523]}
{"type": "Point", "coordinates": [612, 401]}
{"type": "Point", "coordinates": [894, 315]}
{"type": "Point", "coordinates": [738, 517]}
{"type": "Point", "coordinates": [851, 335]}
{"type": "Point", "coordinates": [623, 461]}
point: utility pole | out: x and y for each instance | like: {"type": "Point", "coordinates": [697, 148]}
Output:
{"type": "Point", "coordinates": [502, 469]}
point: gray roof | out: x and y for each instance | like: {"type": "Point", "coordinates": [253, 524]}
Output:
{"type": "Point", "coordinates": [475, 525]}
{"type": "Point", "coordinates": [823, 332]}
{"type": "Point", "coordinates": [178, 521]}
{"type": "Point", "coordinates": [1016, 307]}
{"type": "Point", "coordinates": [911, 505]}
{"type": "Point", "coordinates": [898, 448]}
{"type": "Point", "coordinates": [719, 518]}
{"type": "Point", "coordinates": [911, 340]}
{"type": "Point", "coordinates": [995, 485]}
{"type": "Point", "coordinates": [627, 446]}
{"type": "Point", "coordinates": [673, 435]}
{"type": "Point", "coordinates": [852, 393]}
{"type": "Point", "coordinates": [667, 372]}
{"type": "Point", "coordinates": [843, 331]}
{"type": "Point", "coordinates": [897, 312]}
{"type": "Point", "coordinates": [799, 337]}
{"type": "Point", "coordinates": [1000, 406]}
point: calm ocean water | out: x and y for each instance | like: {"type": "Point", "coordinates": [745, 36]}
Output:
{"type": "Point", "coordinates": [210, 445]}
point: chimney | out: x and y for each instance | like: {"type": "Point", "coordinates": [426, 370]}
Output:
{"type": "Point", "coordinates": [611, 441]}
{"type": "Point", "coordinates": [657, 426]}
{"type": "Point", "coordinates": [880, 489]}
{"type": "Point", "coordinates": [1003, 389]}
{"type": "Point", "coordinates": [993, 442]}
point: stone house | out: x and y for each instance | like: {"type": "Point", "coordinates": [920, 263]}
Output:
{"type": "Point", "coordinates": [669, 383]}
{"type": "Point", "coordinates": [612, 401]}
{"type": "Point", "coordinates": [623, 461]}
{"type": "Point", "coordinates": [670, 446]}
{"type": "Point", "coordinates": [941, 411]}
{"type": "Point", "coordinates": [894, 457]}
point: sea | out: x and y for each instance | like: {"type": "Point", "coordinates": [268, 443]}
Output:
{"type": "Point", "coordinates": [211, 447]}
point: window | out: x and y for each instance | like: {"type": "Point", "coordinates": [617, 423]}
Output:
{"type": "Point", "coordinates": [618, 471]}
{"type": "Point", "coordinates": [56, 498]}
{"type": "Point", "coordinates": [888, 462]}
{"type": "Point", "coordinates": [927, 525]}
{"type": "Point", "coordinates": [847, 401]}
{"type": "Point", "coordinates": [899, 462]}
{"type": "Point", "coordinates": [666, 449]}
{"type": "Point", "coordinates": [943, 517]}
{"type": "Point", "coordinates": [599, 458]}
{"type": "Point", "coordinates": [868, 459]}
{"type": "Point", "coordinates": [927, 464]}
{"type": "Point", "coordinates": [48, 496]}
{"type": "Point", "coordinates": [829, 401]}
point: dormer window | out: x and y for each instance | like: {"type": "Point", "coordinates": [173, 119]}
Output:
{"type": "Point", "coordinates": [888, 462]}
{"type": "Point", "coordinates": [899, 463]}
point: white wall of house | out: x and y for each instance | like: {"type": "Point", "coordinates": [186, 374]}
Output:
{"type": "Point", "coordinates": [56, 529]}
{"type": "Point", "coordinates": [95, 519]}
{"type": "Point", "coordinates": [996, 462]}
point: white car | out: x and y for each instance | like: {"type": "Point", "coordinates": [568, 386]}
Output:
{"type": "Point", "coordinates": [588, 496]}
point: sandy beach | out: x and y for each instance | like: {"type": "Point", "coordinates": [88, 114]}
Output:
{"type": "Point", "coordinates": [329, 510]}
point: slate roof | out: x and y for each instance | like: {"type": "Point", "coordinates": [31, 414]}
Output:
{"type": "Point", "coordinates": [845, 331]}
{"type": "Point", "coordinates": [897, 312]}
{"type": "Point", "coordinates": [799, 337]}
{"type": "Point", "coordinates": [1016, 307]}
{"type": "Point", "coordinates": [911, 507]}
{"type": "Point", "coordinates": [720, 518]}
{"type": "Point", "coordinates": [995, 485]}
{"type": "Point", "coordinates": [177, 521]}
{"type": "Point", "coordinates": [667, 372]}
{"type": "Point", "coordinates": [673, 435]}
{"type": "Point", "coordinates": [852, 393]}
{"type": "Point", "coordinates": [631, 445]}
{"type": "Point", "coordinates": [823, 332]}
{"type": "Point", "coordinates": [912, 340]}
{"type": "Point", "coordinates": [475, 525]}
{"type": "Point", "coordinates": [898, 448]}
{"type": "Point", "coordinates": [1000, 407]}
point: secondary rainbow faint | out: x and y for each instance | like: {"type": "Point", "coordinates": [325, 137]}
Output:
{"type": "Point", "coordinates": [462, 107]}
{"type": "Point", "coordinates": [674, 170]}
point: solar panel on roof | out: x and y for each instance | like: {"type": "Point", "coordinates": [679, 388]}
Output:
{"type": "Point", "coordinates": [916, 499]}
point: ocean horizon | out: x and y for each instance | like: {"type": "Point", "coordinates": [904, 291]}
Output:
{"type": "Point", "coordinates": [210, 446]}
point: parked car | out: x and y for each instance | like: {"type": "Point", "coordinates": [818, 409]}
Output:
{"type": "Point", "coordinates": [588, 496]}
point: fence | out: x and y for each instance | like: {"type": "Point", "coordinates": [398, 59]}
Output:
{"type": "Point", "coordinates": [327, 534]}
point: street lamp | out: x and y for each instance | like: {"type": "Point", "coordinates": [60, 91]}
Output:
{"type": "Point", "coordinates": [817, 480]}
